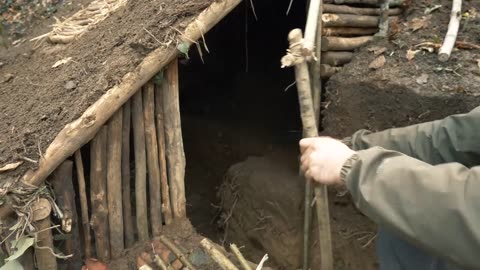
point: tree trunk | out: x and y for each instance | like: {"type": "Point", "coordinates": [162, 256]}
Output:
{"type": "Point", "coordinates": [167, 209]}
{"type": "Point", "coordinates": [152, 159]}
{"type": "Point", "coordinates": [140, 166]}
{"type": "Point", "coordinates": [126, 196]}
{"type": "Point", "coordinates": [174, 141]}
{"type": "Point", "coordinates": [62, 182]}
{"type": "Point", "coordinates": [43, 253]}
{"type": "Point", "coordinates": [114, 183]}
{"type": "Point", "coordinates": [98, 191]}
{"type": "Point", "coordinates": [83, 203]}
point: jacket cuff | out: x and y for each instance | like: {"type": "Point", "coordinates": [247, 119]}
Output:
{"type": "Point", "coordinates": [347, 167]}
{"type": "Point", "coordinates": [347, 141]}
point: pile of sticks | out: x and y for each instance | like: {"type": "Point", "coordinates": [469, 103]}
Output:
{"type": "Point", "coordinates": [347, 26]}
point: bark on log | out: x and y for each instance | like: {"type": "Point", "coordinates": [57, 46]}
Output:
{"type": "Point", "coordinates": [344, 9]}
{"type": "Point", "coordinates": [82, 191]}
{"type": "Point", "coordinates": [348, 31]}
{"type": "Point", "coordinates": [383, 19]}
{"type": "Point", "coordinates": [314, 8]}
{"type": "Point", "coordinates": [98, 191]}
{"type": "Point", "coordinates": [114, 184]}
{"type": "Point", "coordinates": [62, 182]}
{"type": "Point", "coordinates": [80, 131]}
{"type": "Point", "coordinates": [217, 256]}
{"type": "Point", "coordinates": [451, 36]}
{"type": "Point", "coordinates": [349, 20]}
{"type": "Point", "coordinates": [152, 159]}
{"type": "Point", "coordinates": [174, 141]}
{"type": "Point", "coordinates": [43, 251]}
{"type": "Point", "coordinates": [310, 130]}
{"type": "Point", "coordinates": [140, 167]}
{"type": "Point", "coordinates": [336, 58]}
{"type": "Point", "coordinates": [126, 196]}
{"type": "Point", "coordinates": [392, 3]}
{"type": "Point", "coordinates": [166, 206]}
{"type": "Point", "coordinates": [327, 71]}
{"type": "Point", "coordinates": [344, 44]}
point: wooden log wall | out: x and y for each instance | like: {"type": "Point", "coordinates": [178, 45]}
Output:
{"type": "Point", "coordinates": [347, 26]}
{"type": "Point", "coordinates": [131, 185]}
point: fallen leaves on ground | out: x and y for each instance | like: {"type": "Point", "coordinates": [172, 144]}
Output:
{"type": "Point", "coordinates": [411, 54]}
{"type": "Point", "coordinates": [377, 50]}
{"type": "Point", "coordinates": [419, 23]}
{"type": "Point", "coordinates": [377, 62]}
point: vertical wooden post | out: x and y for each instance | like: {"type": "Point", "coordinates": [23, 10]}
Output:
{"type": "Point", "coordinates": [127, 203]}
{"type": "Point", "coordinates": [43, 254]}
{"type": "Point", "coordinates": [62, 182]}
{"type": "Point", "coordinates": [167, 209]}
{"type": "Point", "coordinates": [83, 202]}
{"type": "Point", "coordinates": [98, 191]}
{"type": "Point", "coordinates": [140, 166]}
{"type": "Point", "coordinates": [152, 159]}
{"type": "Point", "coordinates": [27, 260]}
{"type": "Point", "coordinates": [174, 142]}
{"type": "Point", "coordinates": [114, 183]}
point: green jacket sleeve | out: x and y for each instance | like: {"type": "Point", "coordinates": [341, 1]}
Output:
{"type": "Point", "coordinates": [437, 207]}
{"type": "Point", "coordinates": [453, 139]}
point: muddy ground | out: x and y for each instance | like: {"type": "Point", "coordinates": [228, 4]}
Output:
{"type": "Point", "coordinates": [36, 101]}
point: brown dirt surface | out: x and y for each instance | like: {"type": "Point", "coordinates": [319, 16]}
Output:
{"type": "Point", "coordinates": [404, 92]}
{"type": "Point", "coordinates": [262, 199]}
{"type": "Point", "coordinates": [38, 100]}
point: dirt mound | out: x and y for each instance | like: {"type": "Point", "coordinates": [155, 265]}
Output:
{"type": "Point", "coordinates": [262, 202]}
{"type": "Point", "coordinates": [38, 100]}
{"type": "Point", "coordinates": [403, 92]}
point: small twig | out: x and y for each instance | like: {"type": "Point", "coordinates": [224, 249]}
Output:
{"type": "Point", "coordinates": [253, 10]}
{"type": "Point", "coordinates": [156, 39]}
{"type": "Point", "coordinates": [241, 259]}
{"type": "Point", "coordinates": [289, 6]}
{"type": "Point", "coordinates": [217, 256]}
{"type": "Point", "coordinates": [369, 241]}
{"type": "Point", "coordinates": [451, 36]}
{"type": "Point", "coordinates": [290, 86]}
{"type": "Point", "coordinates": [28, 159]}
{"type": "Point", "coordinates": [260, 265]}
{"type": "Point", "coordinates": [171, 245]}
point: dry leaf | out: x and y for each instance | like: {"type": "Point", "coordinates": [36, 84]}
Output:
{"type": "Point", "coordinates": [422, 79]}
{"type": "Point", "coordinates": [418, 23]}
{"type": "Point", "coordinates": [11, 166]}
{"type": "Point", "coordinates": [377, 62]}
{"type": "Point", "coordinates": [377, 50]}
{"type": "Point", "coordinates": [411, 54]}
{"type": "Point", "coordinates": [61, 62]}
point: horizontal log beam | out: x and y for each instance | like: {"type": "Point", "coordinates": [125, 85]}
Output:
{"type": "Point", "coordinates": [336, 58]}
{"type": "Point", "coordinates": [349, 20]}
{"type": "Point", "coordinates": [344, 9]}
{"type": "Point", "coordinates": [327, 71]}
{"type": "Point", "coordinates": [392, 3]}
{"type": "Point", "coordinates": [349, 31]}
{"type": "Point", "coordinates": [344, 44]}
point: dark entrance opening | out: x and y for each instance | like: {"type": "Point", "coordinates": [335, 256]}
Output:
{"type": "Point", "coordinates": [235, 104]}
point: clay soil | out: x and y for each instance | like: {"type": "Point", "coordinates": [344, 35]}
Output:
{"type": "Point", "coordinates": [37, 101]}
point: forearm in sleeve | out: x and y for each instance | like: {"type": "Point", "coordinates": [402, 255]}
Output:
{"type": "Point", "coordinates": [438, 207]}
{"type": "Point", "coordinates": [453, 139]}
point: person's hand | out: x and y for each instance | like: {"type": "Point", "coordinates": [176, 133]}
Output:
{"type": "Point", "coordinates": [323, 158]}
